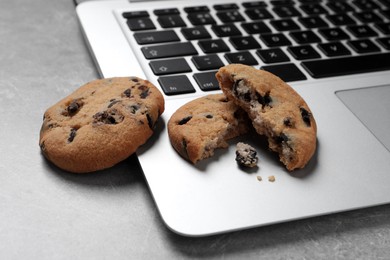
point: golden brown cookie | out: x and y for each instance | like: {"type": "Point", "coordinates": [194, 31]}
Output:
{"type": "Point", "coordinates": [276, 110]}
{"type": "Point", "coordinates": [100, 124]}
{"type": "Point", "coordinates": [199, 127]}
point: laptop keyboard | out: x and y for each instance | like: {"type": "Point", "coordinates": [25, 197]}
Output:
{"type": "Point", "coordinates": [295, 40]}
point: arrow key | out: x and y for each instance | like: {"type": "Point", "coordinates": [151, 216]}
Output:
{"type": "Point", "coordinates": [171, 66]}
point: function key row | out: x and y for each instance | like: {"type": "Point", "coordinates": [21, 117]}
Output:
{"type": "Point", "coordinates": [169, 18]}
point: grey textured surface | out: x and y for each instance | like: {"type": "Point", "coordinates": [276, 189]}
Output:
{"type": "Point", "coordinates": [49, 214]}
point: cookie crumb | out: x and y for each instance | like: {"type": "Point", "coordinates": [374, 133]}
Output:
{"type": "Point", "coordinates": [259, 178]}
{"type": "Point", "coordinates": [246, 155]}
{"type": "Point", "coordinates": [271, 178]}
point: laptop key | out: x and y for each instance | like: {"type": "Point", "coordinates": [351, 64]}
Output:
{"type": "Point", "coordinates": [339, 7]}
{"type": "Point", "coordinates": [171, 66]}
{"type": "Point", "coordinates": [256, 27]}
{"type": "Point", "coordinates": [213, 46]}
{"type": "Point", "coordinates": [166, 11]}
{"type": "Point", "coordinates": [197, 9]}
{"type": "Point", "coordinates": [304, 37]}
{"type": "Point", "coordinates": [258, 14]}
{"type": "Point", "coordinates": [195, 33]}
{"type": "Point", "coordinates": [156, 37]}
{"type": "Point", "coordinates": [341, 19]}
{"type": "Point", "coordinates": [201, 18]}
{"type": "Point", "coordinates": [275, 39]}
{"type": "Point", "coordinates": [274, 55]}
{"type": "Point", "coordinates": [135, 14]}
{"type": "Point", "coordinates": [282, 2]}
{"type": "Point", "coordinates": [313, 9]}
{"type": "Point", "coordinates": [312, 22]}
{"type": "Point", "coordinates": [287, 72]}
{"type": "Point", "coordinates": [207, 62]}
{"type": "Point", "coordinates": [334, 34]}
{"type": "Point", "coordinates": [174, 85]}
{"type": "Point", "coordinates": [347, 65]}
{"type": "Point", "coordinates": [230, 16]}
{"type": "Point", "coordinates": [142, 23]}
{"type": "Point", "coordinates": [254, 4]}
{"type": "Point", "coordinates": [284, 25]}
{"type": "Point", "coordinates": [170, 21]}
{"type": "Point", "coordinates": [365, 4]}
{"type": "Point", "coordinates": [243, 57]}
{"type": "Point", "coordinates": [169, 50]}
{"type": "Point", "coordinates": [362, 31]}
{"type": "Point", "coordinates": [244, 43]}
{"type": "Point", "coordinates": [303, 52]}
{"type": "Point", "coordinates": [383, 27]}
{"type": "Point", "coordinates": [332, 49]}
{"type": "Point", "coordinates": [225, 30]}
{"type": "Point", "coordinates": [286, 11]}
{"type": "Point", "coordinates": [220, 7]}
{"type": "Point", "coordinates": [385, 42]}
{"type": "Point", "coordinates": [368, 17]}
{"type": "Point", "coordinates": [207, 81]}
{"type": "Point", "coordinates": [363, 46]}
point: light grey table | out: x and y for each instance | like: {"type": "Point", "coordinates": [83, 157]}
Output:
{"type": "Point", "coordinates": [48, 214]}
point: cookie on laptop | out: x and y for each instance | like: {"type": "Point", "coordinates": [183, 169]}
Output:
{"type": "Point", "coordinates": [199, 127]}
{"type": "Point", "coordinates": [100, 124]}
{"type": "Point", "coordinates": [276, 110]}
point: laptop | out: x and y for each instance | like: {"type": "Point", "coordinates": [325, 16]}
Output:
{"type": "Point", "coordinates": [335, 54]}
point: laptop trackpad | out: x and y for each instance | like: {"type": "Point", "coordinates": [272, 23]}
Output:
{"type": "Point", "coordinates": [372, 107]}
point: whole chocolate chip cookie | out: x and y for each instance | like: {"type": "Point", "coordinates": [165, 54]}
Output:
{"type": "Point", "coordinates": [276, 110]}
{"type": "Point", "coordinates": [100, 124]}
{"type": "Point", "coordinates": [199, 127]}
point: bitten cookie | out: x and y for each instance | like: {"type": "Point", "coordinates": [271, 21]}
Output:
{"type": "Point", "coordinates": [276, 110]}
{"type": "Point", "coordinates": [100, 124]}
{"type": "Point", "coordinates": [199, 127]}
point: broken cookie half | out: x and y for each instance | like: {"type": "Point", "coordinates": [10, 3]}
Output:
{"type": "Point", "coordinates": [200, 126]}
{"type": "Point", "coordinates": [276, 110]}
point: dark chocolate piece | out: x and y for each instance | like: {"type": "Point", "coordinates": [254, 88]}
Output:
{"type": "Point", "coordinates": [72, 135]}
{"type": "Point", "coordinates": [306, 115]}
{"type": "Point", "coordinates": [185, 120]}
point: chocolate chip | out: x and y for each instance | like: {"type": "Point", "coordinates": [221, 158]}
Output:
{"type": "Point", "coordinates": [43, 146]}
{"type": "Point", "coordinates": [264, 100]}
{"type": "Point", "coordinates": [288, 122]}
{"type": "Point", "coordinates": [111, 116]}
{"type": "Point", "coordinates": [306, 115]}
{"type": "Point", "coordinates": [144, 93]}
{"type": "Point", "coordinates": [239, 92]}
{"type": "Point", "coordinates": [150, 121]}
{"type": "Point", "coordinates": [134, 79]}
{"type": "Point", "coordinates": [113, 102]}
{"type": "Point", "coordinates": [134, 108]}
{"type": "Point", "coordinates": [184, 146]}
{"type": "Point", "coordinates": [209, 116]}
{"type": "Point", "coordinates": [282, 138]}
{"type": "Point", "coordinates": [185, 120]}
{"type": "Point", "coordinates": [72, 135]}
{"type": "Point", "coordinates": [127, 93]}
{"type": "Point", "coordinates": [74, 107]}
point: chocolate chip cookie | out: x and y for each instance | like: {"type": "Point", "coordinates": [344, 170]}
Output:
{"type": "Point", "coordinates": [100, 124]}
{"type": "Point", "coordinates": [199, 127]}
{"type": "Point", "coordinates": [276, 110]}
